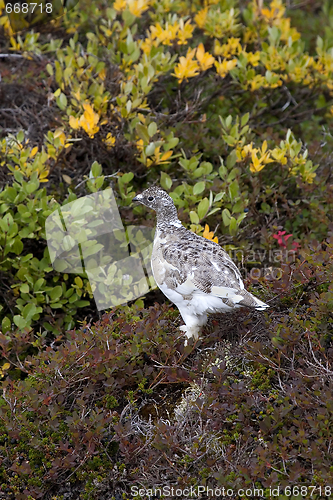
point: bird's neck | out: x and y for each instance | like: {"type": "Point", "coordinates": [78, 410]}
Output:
{"type": "Point", "coordinates": [168, 218]}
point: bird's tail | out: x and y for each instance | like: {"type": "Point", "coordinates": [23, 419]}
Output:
{"type": "Point", "coordinates": [250, 300]}
{"type": "Point", "coordinates": [238, 298]}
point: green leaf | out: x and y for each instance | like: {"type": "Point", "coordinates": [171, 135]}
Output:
{"type": "Point", "coordinates": [233, 190]}
{"type": "Point", "coordinates": [231, 159]}
{"type": "Point", "coordinates": [172, 143]}
{"type": "Point", "coordinates": [274, 34]}
{"type": "Point", "coordinates": [194, 217]}
{"type": "Point", "coordinates": [24, 288]}
{"type": "Point", "coordinates": [96, 169]}
{"type": "Point", "coordinates": [265, 208]}
{"type": "Point", "coordinates": [69, 293]}
{"type": "Point", "coordinates": [28, 311]}
{"type": "Point", "coordinates": [20, 322]}
{"type": "Point", "coordinates": [245, 119]}
{"type": "Point", "coordinates": [219, 196]}
{"type": "Point", "coordinates": [241, 217]}
{"type": "Point", "coordinates": [142, 132]}
{"type": "Point", "coordinates": [56, 305]}
{"type": "Point", "coordinates": [17, 246]}
{"type": "Point", "coordinates": [223, 172]}
{"type": "Point", "coordinates": [78, 281]}
{"type": "Point", "coordinates": [82, 303]}
{"type": "Point", "coordinates": [27, 257]}
{"type": "Point", "coordinates": [226, 217]}
{"type": "Point", "coordinates": [238, 206]}
{"type": "Point", "coordinates": [150, 149]}
{"type": "Point", "coordinates": [38, 284]}
{"type": "Point", "coordinates": [56, 293]}
{"type": "Point", "coordinates": [49, 69]}
{"type": "Point", "coordinates": [6, 325]}
{"type": "Point", "coordinates": [126, 178]}
{"type": "Point", "coordinates": [234, 172]}
{"type": "Point", "coordinates": [18, 176]}
{"type": "Point", "coordinates": [73, 298]}
{"type": "Point", "coordinates": [62, 101]}
{"type": "Point", "coordinates": [199, 187]}
{"type": "Point", "coordinates": [32, 186]}
{"type": "Point", "coordinates": [152, 129]}
{"type": "Point", "coordinates": [233, 226]}
{"type": "Point", "coordinates": [203, 208]}
{"type": "Point", "coordinates": [211, 212]}
{"type": "Point", "coordinates": [228, 121]}
{"type": "Point", "coordinates": [206, 167]}
{"type": "Point", "coordinates": [166, 181]}
{"type": "Point", "coordinates": [20, 136]}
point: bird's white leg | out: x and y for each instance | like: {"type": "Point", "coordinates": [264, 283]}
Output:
{"type": "Point", "coordinates": [190, 331]}
{"type": "Point", "coordinates": [192, 325]}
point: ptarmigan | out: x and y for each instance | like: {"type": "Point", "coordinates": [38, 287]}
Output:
{"type": "Point", "coordinates": [196, 274]}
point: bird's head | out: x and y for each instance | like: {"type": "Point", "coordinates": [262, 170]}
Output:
{"type": "Point", "coordinates": [155, 198]}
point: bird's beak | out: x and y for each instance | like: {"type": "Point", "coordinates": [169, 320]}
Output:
{"type": "Point", "coordinates": [137, 197]}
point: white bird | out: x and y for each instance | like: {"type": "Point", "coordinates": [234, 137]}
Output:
{"type": "Point", "coordinates": [196, 274]}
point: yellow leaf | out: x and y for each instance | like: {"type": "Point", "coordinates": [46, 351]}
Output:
{"type": "Point", "coordinates": [74, 122]}
{"type": "Point", "coordinates": [184, 32]}
{"type": "Point", "coordinates": [167, 35]}
{"type": "Point", "coordinates": [33, 152]}
{"type": "Point", "coordinates": [228, 49]}
{"type": "Point", "coordinates": [110, 140]}
{"type": "Point", "coordinates": [77, 95]}
{"type": "Point", "coordinates": [186, 68]}
{"type": "Point", "coordinates": [209, 234]}
{"type": "Point", "coordinates": [137, 7]}
{"type": "Point", "coordinates": [200, 17]}
{"type": "Point", "coordinates": [59, 133]}
{"type": "Point", "coordinates": [15, 45]}
{"type": "Point", "coordinates": [256, 164]}
{"type": "Point", "coordinates": [43, 176]}
{"type": "Point", "coordinates": [89, 120]}
{"type": "Point", "coordinates": [102, 74]}
{"type": "Point", "coordinates": [166, 156]}
{"type": "Point", "coordinates": [67, 179]}
{"type": "Point", "coordinates": [225, 66]}
{"type": "Point", "coordinates": [5, 366]}
{"type": "Point", "coordinates": [252, 58]}
{"type": "Point", "coordinates": [119, 5]}
{"type": "Point", "coordinates": [147, 45]}
{"type": "Point", "coordinates": [206, 60]}
{"type": "Point", "coordinates": [246, 151]}
{"type": "Point", "coordinates": [257, 82]}
{"type": "Point", "coordinates": [308, 177]}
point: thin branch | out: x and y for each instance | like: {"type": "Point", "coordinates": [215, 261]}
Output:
{"type": "Point", "coordinates": [17, 56]}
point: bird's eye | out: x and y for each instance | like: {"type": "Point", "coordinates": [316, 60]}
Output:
{"type": "Point", "coordinates": [150, 198]}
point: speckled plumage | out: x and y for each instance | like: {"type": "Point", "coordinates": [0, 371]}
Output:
{"type": "Point", "coordinates": [196, 274]}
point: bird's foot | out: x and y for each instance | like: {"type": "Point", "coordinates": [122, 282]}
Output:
{"type": "Point", "coordinates": [190, 332]}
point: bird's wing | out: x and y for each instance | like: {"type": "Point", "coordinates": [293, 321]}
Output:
{"type": "Point", "coordinates": [204, 266]}
{"type": "Point", "coordinates": [191, 269]}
